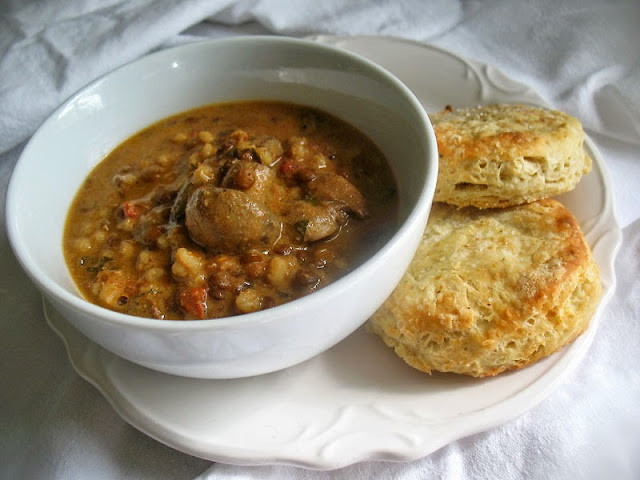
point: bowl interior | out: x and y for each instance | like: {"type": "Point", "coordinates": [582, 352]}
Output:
{"type": "Point", "coordinates": [91, 123]}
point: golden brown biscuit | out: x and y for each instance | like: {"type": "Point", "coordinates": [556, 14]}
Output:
{"type": "Point", "coordinates": [491, 290]}
{"type": "Point", "coordinates": [505, 155]}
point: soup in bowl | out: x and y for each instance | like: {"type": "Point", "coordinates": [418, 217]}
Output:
{"type": "Point", "coordinates": [226, 208]}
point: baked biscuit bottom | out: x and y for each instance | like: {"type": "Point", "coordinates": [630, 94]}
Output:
{"type": "Point", "coordinates": [491, 290]}
{"type": "Point", "coordinates": [505, 155]}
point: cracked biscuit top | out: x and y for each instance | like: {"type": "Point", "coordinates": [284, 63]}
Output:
{"type": "Point", "coordinates": [491, 290]}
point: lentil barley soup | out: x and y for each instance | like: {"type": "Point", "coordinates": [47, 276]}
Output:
{"type": "Point", "coordinates": [228, 209]}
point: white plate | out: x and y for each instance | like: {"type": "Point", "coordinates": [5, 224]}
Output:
{"type": "Point", "coordinates": [357, 401]}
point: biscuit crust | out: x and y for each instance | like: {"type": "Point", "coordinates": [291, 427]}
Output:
{"type": "Point", "coordinates": [504, 155]}
{"type": "Point", "coordinates": [491, 290]}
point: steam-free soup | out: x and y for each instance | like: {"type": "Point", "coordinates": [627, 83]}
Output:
{"type": "Point", "coordinates": [228, 209]}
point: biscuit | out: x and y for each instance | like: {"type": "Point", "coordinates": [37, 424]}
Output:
{"type": "Point", "coordinates": [491, 290]}
{"type": "Point", "coordinates": [504, 155]}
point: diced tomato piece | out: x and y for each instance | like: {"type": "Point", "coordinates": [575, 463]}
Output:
{"type": "Point", "coordinates": [130, 210]}
{"type": "Point", "coordinates": [288, 168]}
{"type": "Point", "coordinates": [194, 301]}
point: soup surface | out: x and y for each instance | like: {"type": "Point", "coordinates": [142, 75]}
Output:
{"type": "Point", "coordinates": [228, 209]}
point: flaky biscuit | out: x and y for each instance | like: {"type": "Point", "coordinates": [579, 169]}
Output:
{"type": "Point", "coordinates": [505, 155]}
{"type": "Point", "coordinates": [491, 290]}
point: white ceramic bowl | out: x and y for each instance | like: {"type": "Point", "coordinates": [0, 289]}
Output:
{"type": "Point", "coordinates": [90, 124]}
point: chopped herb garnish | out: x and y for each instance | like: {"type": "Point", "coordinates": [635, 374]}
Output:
{"type": "Point", "coordinates": [312, 199]}
{"type": "Point", "coordinates": [301, 226]}
{"type": "Point", "coordinates": [99, 266]}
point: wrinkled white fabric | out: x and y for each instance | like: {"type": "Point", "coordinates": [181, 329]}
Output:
{"type": "Point", "coordinates": [582, 56]}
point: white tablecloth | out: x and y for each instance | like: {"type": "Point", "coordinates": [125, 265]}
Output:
{"type": "Point", "coordinates": [582, 56]}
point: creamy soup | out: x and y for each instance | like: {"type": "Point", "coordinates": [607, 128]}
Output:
{"type": "Point", "coordinates": [228, 209]}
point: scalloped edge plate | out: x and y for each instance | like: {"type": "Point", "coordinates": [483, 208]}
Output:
{"type": "Point", "coordinates": [357, 401]}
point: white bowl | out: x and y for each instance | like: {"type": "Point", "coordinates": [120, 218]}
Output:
{"type": "Point", "coordinates": [90, 124]}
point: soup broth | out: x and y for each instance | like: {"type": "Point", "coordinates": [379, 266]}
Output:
{"type": "Point", "coordinates": [228, 209]}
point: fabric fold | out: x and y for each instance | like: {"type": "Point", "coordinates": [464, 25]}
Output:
{"type": "Point", "coordinates": [51, 54]}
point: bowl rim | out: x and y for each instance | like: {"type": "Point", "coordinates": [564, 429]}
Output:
{"type": "Point", "coordinates": [53, 289]}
